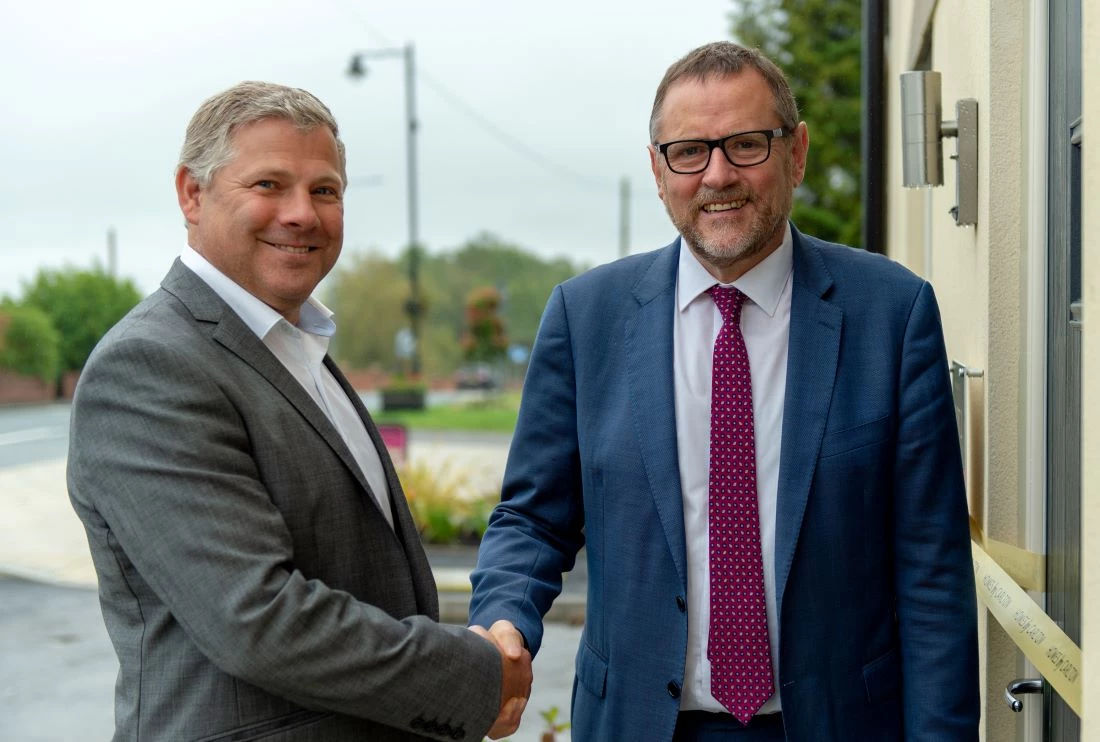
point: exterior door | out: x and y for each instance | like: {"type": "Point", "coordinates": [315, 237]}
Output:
{"type": "Point", "coordinates": [1060, 724]}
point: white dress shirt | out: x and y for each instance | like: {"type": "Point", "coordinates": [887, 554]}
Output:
{"type": "Point", "coordinates": [301, 349]}
{"type": "Point", "coordinates": [765, 324]}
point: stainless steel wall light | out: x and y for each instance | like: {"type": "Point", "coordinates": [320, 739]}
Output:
{"type": "Point", "coordinates": [922, 133]}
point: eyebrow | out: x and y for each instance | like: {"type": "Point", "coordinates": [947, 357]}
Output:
{"type": "Point", "coordinates": [284, 174]}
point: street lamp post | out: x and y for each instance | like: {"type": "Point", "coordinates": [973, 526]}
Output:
{"type": "Point", "coordinates": [358, 69]}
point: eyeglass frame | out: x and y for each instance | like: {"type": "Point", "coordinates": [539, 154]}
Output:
{"type": "Point", "coordinates": [777, 133]}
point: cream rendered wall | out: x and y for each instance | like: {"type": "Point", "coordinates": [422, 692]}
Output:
{"type": "Point", "coordinates": [905, 220]}
{"type": "Point", "coordinates": [1090, 412]}
{"type": "Point", "coordinates": [979, 273]}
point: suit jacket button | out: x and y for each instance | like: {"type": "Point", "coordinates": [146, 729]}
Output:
{"type": "Point", "coordinates": [681, 603]}
{"type": "Point", "coordinates": [459, 733]}
{"type": "Point", "coordinates": [674, 689]}
{"type": "Point", "coordinates": [417, 723]}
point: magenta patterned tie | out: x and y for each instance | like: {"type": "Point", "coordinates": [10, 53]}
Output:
{"type": "Point", "coordinates": [737, 647]}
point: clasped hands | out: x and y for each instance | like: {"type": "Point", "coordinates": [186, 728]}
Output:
{"type": "Point", "coordinates": [515, 685]}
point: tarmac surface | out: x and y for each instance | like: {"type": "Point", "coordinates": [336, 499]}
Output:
{"type": "Point", "coordinates": [57, 665]}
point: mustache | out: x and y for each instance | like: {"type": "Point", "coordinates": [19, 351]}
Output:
{"type": "Point", "coordinates": [703, 198]}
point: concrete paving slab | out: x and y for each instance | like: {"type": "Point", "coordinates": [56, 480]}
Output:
{"type": "Point", "coordinates": [41, 537]}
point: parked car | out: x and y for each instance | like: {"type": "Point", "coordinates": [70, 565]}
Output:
{"type": "Point", "coordinates": [479, 376]}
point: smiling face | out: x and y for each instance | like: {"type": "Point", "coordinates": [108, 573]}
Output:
{"type": "Point", "coordinates": [272, 218]}
{"type": "Point", "coordinates": [733, 217]}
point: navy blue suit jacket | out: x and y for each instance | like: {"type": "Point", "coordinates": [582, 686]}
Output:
{"type": "Point", "coordinates": [878, 637]}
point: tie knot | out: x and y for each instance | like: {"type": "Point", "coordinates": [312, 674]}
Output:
{"type": "Point", "coordinates": [728, 300]}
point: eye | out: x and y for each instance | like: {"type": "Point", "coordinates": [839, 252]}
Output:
{"type": "Point", "coordinates": [327, 191]}
{"type": "Point", "coordinates": [265, 184]}
{"type": "Point", "coordinates": [748, 143]}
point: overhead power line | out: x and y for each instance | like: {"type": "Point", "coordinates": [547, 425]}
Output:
{"type": "Point", "coordinates": [513, 143]}
{"type": "Point", "coordinates": [462, 106]}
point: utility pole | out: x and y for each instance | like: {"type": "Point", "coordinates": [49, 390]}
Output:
{"type": "Point", "coordinates": [358, 69]}
{"type": "Point", "coordinates": [112, 252]}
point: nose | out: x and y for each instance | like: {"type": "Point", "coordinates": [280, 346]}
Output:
{"type": "Point", "coordinates": [298, 210]}
{"type": "Point", "coordinates": [720, 173]}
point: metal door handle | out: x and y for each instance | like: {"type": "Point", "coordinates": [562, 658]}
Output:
{"type": "Point", "coordinates": [1021, 686]}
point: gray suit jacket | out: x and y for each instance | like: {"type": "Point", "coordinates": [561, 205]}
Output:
{"type": "Point", "coordinates": [250, 585]}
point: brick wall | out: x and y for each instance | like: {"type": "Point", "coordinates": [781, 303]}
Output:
{"type": "Point", "coordinates": [18, 389]}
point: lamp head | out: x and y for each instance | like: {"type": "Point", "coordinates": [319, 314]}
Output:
{"type": "Point", "coordinates": [357, 68]}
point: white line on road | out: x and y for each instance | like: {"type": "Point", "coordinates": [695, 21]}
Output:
{"type": "Point", "coordinates": [30, 434]}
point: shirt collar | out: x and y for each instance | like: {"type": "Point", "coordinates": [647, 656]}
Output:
{"type": "Point", "coordinates": [763, 284]}
{"type": "Point", "coordinates": [314, 317]}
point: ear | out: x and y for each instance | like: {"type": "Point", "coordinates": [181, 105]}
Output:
{"type": "Point", "coordinates": [800, 145]}
{"type": "Point", "coordinates": [189, 194]}
{"type": "Point", "coordinates": [655, 165]}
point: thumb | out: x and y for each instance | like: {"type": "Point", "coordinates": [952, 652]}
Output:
{"type": "Point", "coordinates": [508, 638]}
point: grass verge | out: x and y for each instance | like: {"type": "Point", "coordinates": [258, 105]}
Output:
{"type": "Point", "coordinates": [496, 413]}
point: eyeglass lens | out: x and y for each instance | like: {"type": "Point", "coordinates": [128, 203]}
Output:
{"type": "Point", "coordinates": [694, 156]}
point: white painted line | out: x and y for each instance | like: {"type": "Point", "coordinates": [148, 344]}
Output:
{"type": "Point", "coordinates": [30, 434]}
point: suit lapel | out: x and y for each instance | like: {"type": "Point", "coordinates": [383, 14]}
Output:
{"type": "Point", "coordinates": [652, 394]}
{"type": "Point", "coordinates": [231, 333]}
{"type": "Point", "coordinates": [813, 350]}
{"type": "Point", "coordinates": [403, 525]}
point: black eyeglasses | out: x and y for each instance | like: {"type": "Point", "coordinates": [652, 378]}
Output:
{"type": "Point", "coordinates": [743, 149]}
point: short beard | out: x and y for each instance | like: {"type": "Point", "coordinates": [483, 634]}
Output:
{"type": "Point", "coordinates": [724, 252]}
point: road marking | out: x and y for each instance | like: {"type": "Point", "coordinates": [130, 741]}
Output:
{"type": "Point", "coordinates": [30, 434]}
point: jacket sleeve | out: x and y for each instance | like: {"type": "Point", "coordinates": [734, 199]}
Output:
{"type": "Point", "coordinates": [936, 606]}
{"type": "Point", "coordinates": [536, 531]}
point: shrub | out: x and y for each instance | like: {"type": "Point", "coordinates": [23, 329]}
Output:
{"type": "Point", "coordinates": [29, 343]}
{"type": "Point", "coordinates": [443, 505]}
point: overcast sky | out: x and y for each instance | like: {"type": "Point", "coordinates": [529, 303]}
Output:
{"type": "Point", "coordinates": [530, 114]}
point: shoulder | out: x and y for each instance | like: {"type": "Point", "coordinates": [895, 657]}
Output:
{"type": "Point", "coordinates": [853, 276]}
{"type": "Point", "coordinates": [621, 276]}
{"type": "Point", "coordinates": [159, 332]}
{"type": "Point", "coordinates": [846, 262]}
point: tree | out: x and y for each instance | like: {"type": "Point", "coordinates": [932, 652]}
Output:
{"type": "Point", "coordinates": [82, 305]}
{"type": "Point", "coordinates": [523, 279]}
{"type": "Point", "coordinates": [29, 344]}
{"type": "Point", "coordinates": [368, 295]}
{"type": "Point", "coordinates": [817, 43]}
{"type": "Point", "coordinates": [485, 339]}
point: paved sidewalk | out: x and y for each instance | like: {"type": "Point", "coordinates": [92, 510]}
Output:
{"type": "Point", "coordinates": [41, 538]}
{"type": "Point", "coordinates": [57, 667]}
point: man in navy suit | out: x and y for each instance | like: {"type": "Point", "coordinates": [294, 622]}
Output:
{"type": "Point", "coordinates": [858, 515]}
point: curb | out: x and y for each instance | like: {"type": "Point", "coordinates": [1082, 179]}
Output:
{"type": "Point", "coordinates": [454, 608]}
{"type": "Point", "coordinates": [453, 586]}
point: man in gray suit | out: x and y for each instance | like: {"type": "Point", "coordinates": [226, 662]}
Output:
{"type": "Point", "coordinates": [259, 571]}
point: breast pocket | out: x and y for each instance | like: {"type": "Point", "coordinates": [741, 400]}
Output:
{"type": "Point", "coordinates": [855, 437]}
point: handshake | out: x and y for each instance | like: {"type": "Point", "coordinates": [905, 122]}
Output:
{"type": "Point", "coordinates": [515, 684]}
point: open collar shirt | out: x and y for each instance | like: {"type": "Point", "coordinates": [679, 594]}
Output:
{"type": "Point", "coordinates": [302, 349]}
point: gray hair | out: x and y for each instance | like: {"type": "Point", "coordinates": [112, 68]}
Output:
{"type": "Point", "coordinates": [719, 59]}
{"type": "Point", "coordinates": [208, 144]}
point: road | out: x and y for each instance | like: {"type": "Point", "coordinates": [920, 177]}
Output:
{"type": "Point", "coordinates": [32, 434]}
